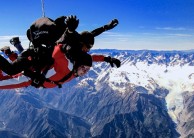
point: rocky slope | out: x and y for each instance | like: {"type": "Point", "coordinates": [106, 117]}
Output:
{"type": "Point", "coordinates": [150, 95]}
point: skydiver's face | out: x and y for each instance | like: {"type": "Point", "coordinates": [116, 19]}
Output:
{"type": "Point", "coordinates": [82, 70]}
{"type": "Point", "coordinates": [86, 47]}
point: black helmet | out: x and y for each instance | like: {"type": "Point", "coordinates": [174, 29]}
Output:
{"type": "Point", "coordinates": [83, 59]}
{"type": "Point", "coordinates": [87, 38]}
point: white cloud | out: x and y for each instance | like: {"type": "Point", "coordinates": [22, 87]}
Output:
{"type": "Point", "coordinates": [4, 41]}
{"type": "Point", "coordinates": [181, 35]}
{"type": "Point", "coordinates": [171, 28]}
{"type": "Point", "coordinates": [152, 41]}
{"type": "Point", "coordinates": [130, 41]}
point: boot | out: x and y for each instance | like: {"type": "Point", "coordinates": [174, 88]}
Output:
{"type": "Point", "coordinates": [16, 42]}
{"type": "Point", "coordinates": [10, 54]}
{"type": "Point", "coordinates": [6, 50]}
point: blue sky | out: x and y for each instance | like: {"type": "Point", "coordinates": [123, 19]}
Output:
{"type": "Point", "coordinates": [143, 24]}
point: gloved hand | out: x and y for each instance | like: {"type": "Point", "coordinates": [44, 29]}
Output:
{"type": "Point", "coordinates": [38, 80]}
{"type": "Point", "coordinates": [113, 61]}
{"type": "Point", "coordinates": [72, 23]}
{"type": "Point", "coordinates": [111, 25]}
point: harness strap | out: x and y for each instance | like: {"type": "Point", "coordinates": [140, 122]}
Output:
{"type": "Point", "coordinates": [62, 80]}
{"type": "Point", "coordinates": [44, 72]}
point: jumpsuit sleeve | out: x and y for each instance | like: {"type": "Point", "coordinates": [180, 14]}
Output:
{"type": "Point", "coordinates": [98, 31]}
{"type": "Point", "coordinates": [97, 58]}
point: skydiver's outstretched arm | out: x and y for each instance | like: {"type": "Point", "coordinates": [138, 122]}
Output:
{"type": "Point", "coordinates": [71, 36]}
{"type": "Point", "coordinates": [112, 61]}
{"type": "Point", "coordinates": [106, 27]}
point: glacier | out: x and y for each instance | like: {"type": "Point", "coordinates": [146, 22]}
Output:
{"type": "Point", "coordinates": [171, 70]}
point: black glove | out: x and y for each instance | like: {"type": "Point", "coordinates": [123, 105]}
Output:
{"type": "Point", "coordinates": [72, 23]}
{"type": "Point", "coordinates": [111, 25]}
{"type": "Point", "coordinates": [112, 61]}
{"type": "Point", "coordinates": [38, 80]}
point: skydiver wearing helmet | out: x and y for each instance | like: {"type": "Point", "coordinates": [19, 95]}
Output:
{"type": "Point", "coordinates": [73, 39]}
{"type": "Point", "coordinates": [74, 43]}
{"type": "Point", "coordinates": [61, 72]}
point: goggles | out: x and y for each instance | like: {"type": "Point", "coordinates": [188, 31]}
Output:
{"type": "Point", "coordinates": [89, 46]}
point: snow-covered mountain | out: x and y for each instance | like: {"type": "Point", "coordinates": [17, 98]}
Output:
{"type": "Point", "coordinates": [150, 95]}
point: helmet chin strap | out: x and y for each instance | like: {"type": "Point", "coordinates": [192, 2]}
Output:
{"type": "Point", "coordinates": [76, 75]}
{"type": "Point", "coordinates": [75, 72]}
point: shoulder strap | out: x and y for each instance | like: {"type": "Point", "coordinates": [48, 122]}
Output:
{"type": "Point", "coordinates": [65, 77]}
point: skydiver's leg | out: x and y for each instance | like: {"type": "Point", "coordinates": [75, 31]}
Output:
{"type": "Point", "coordinates": [4, 76]}
{"type": "Point", "coordinates": [20, 64]}
{"type": "Point", "coordinates": [9, 68]}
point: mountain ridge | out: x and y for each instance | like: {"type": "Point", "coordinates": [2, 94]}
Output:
{"type": "Point", "coordinates": [147, 91]}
